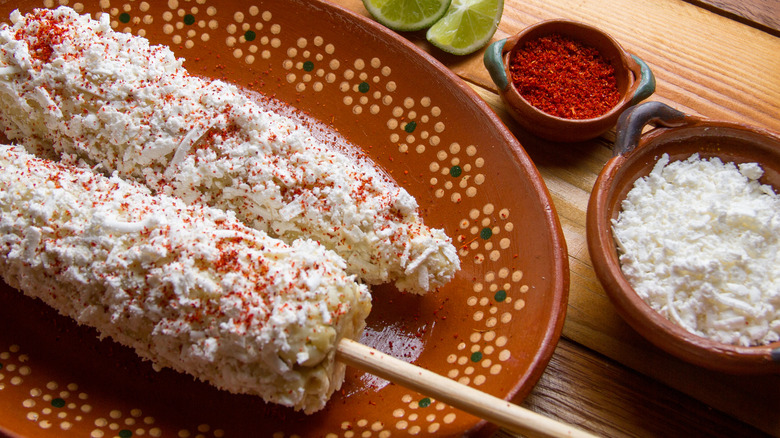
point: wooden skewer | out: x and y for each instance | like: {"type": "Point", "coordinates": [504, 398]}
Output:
{"type": "Point", "coordinates": [493, 409]}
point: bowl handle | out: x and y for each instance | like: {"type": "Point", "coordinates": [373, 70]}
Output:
{"type": "Point", "coordinates": [493, 62]}
{"type": "Point", "coordinates": [633, 120]}
{"type": "Point", "coordinates": [646, 85]}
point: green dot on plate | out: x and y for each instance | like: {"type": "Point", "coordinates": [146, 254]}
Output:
{"type": "Point", "coordinates": [500, 295]}
{"type": "Point", "coordinates": [125, 433]}
{"type": "Point", "coordinates": [424, 403]}
{"type": "Point", "coordinates": [124, 17]}
{"type": "Point", "coordinates": [410, 127]}
{"type": "Point", "coordinates": [476, 356]}
{"type": "Point", "coordinates": [308, 66]}
{"type": "Point", "coordinates": [486, 233]}
{"type": "Point", "coordinates": [189, 19]}
{"type": "Point", "coordinates": [363, 87]}
{"type": "Point", "coordinates": [250, 35]}
{"type": "Point", "coordinates": [58, 402]}
{"type": "Point", "coordinates": [455, 171]}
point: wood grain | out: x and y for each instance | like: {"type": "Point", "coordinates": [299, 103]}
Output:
{"type": "Point", "coordinates": [591, 319]}
{"type": "Point", "coordinates": [585, 390]}
{"type": "Point", "coordinates": [473, 401]}
{"type": "Point", "coordinates": [764, 14]}
{"type": "Point", "coordinates": [706, 62]}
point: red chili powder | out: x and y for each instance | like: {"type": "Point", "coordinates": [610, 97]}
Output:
{"type": "Point", "coordinates": [48, 33]}
{"type": "Point", "coordinates": [564, 77]}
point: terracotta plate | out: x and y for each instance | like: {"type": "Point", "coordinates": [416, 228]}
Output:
{"type": "Point", "coordinates": [494, 327]}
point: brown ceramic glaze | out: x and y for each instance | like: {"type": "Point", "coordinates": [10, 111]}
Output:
{"type": "Point", "coordinates": [494, 326]}
{"type": "Point", "coordinates": [635, 81]}
{"type": "Point", "coordinates": [680, 136]}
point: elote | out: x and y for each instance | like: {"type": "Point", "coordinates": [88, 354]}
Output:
{"type": "Point", "coordinates": [72, 85]}
{"type": "Point", "coordinates": [188, 287]}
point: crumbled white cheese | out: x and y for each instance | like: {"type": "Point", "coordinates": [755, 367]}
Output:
{"type": "Point", "coordinates": [699, 241]}
{"type": "Point", "coordinates": [74, 85]}
{"type": "Point", "coordinates": [188, 287]}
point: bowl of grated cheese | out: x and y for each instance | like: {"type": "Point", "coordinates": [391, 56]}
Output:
{"type": "Point", "coordinates": [683, 228]}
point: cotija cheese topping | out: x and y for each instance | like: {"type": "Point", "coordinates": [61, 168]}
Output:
{"type": "Point", "coordinates": [699, 241]}
{"type": "Point", "coordinates": [73, 87]}
{"type": "Point", "coordinates": [187, 287]}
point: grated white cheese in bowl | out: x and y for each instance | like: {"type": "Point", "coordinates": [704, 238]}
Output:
{"type": "Point", "coordinates": [699, 241]}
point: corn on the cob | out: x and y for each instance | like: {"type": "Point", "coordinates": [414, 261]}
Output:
{"type": "Point", "coordinates": [112, 100]}
{"type": "Point", "coordinates": [188, 287]}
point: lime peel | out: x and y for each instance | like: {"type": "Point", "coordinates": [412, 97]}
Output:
{"type": "Point", "coordinates": [467, 26]}
{"type": "Point", "coordinates": [407, 15]}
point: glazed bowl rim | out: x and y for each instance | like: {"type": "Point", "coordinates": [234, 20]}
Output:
{"type": "Point", "coordinates": [604, 253]}
{"type": "Point", "coordinates": [627, 61]}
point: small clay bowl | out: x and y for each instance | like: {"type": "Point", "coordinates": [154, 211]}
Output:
{"type": "Point", "coordinates": [635, 81]}
{"type": "Point", "coordinates": [635, 154]}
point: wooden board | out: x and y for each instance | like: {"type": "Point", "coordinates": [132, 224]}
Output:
{"type": "Point", "coordinates": [721, 61]}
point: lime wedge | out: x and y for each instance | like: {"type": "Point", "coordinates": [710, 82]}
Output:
{"type": "Point", "coordinates": [467, 26]}
{"type": "Point", "coordinates": [407, 15]}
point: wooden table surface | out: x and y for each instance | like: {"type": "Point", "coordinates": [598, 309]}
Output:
{"type": "Point", "coordinates": [715, 58]}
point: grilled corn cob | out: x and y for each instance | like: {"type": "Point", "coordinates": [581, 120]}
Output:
{"type": "Point", "coordinates": [188, 287]}
{"type": "Point", "coordinates": [72, 85]}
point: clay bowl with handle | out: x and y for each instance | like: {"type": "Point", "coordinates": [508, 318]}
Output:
{"type": "Point", "coordinates": [635, 154]}
{"type": "Point", "coordinates": [634, 79]}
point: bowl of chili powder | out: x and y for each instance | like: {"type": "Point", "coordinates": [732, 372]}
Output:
{"type": "Point", "coordinates": [567, 81]}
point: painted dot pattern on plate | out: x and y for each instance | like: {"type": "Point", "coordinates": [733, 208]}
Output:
{"type": "Point", "coordinates": [366, 86]}
{"type": "Point", "coordinates": [13, 367]}
{"type": "Point", "coordinates": [130, 14]}
{"type": "Point", "coordinates": [485, 234]}
{"type": "Point", "coordinates": [310, 64]}
{"type": "Point", "coordinates": [417, 415]}
{"type": "Point", "coordinates": [134, 423]}
{"type": "Point", "coordinates": [57, 406]}
{"type": "Point", "coordinates": [415, 128]}
{"type": "Point", "coordinates": [456, 171]}
{"type": "Point", "coordinates": [252, 35]}
{"type": "Point", "coordinates": [77, 6]}
{"type": "Point", "coordinates": [187, 20]}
